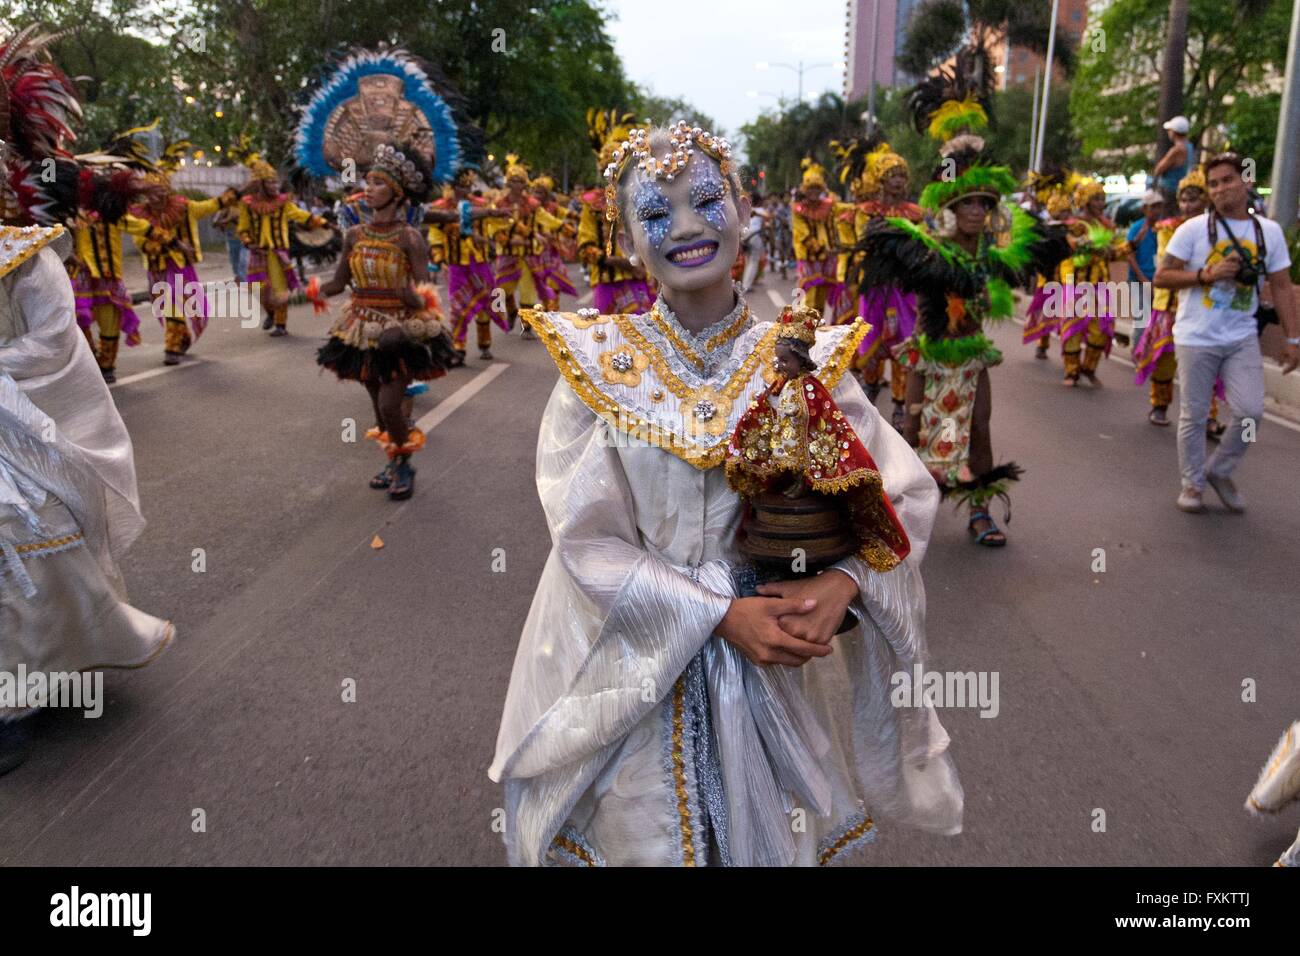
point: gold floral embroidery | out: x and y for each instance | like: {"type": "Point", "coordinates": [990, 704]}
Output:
{"type": "Point", "coordinates": [599, 335]}
{"type": "Point", "coordinates": [706, 411]}
{"type": "Point", "coordinates": [765, 348]}
{"type": "Point", "coordinates": [582, 319]}
{"type": "Point", "coordinates": [623, 366]}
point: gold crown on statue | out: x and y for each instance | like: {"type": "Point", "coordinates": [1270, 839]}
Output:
{"type": "Point", "coordinates": [800, 324]}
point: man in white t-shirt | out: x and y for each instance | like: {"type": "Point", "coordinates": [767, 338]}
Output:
{"type": "Point", "coordinates": [1221, 259]}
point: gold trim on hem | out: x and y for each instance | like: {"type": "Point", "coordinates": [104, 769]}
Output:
{"type": "Point", "coordinates": [679, 774]}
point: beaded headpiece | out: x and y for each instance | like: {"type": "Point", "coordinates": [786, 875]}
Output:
{"type": "Point", "coordinates": [402, 171]}
{"type": "Point", "coordinates": [682, 140]}
{"type": "Point", "coordinates": [799, 324]}
{"type": "Point", "coordinates": [546, 182]}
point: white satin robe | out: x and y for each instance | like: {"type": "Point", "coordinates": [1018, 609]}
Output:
{"type": "Point", "coordinates": [631, 735]}
{"type": "Point", "coordinates": [68, 500]}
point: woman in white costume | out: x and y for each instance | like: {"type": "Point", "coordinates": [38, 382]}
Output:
{"type": "Point", "coordinates": [653, 716]}
{"type": "Point", "coordinates": [68, 501]}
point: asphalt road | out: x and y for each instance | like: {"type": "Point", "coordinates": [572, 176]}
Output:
{"type": "Point", "coordinates": [1119, 690]}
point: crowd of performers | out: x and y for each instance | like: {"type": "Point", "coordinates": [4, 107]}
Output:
{"type": "Point", "coordinates": [704, 772]}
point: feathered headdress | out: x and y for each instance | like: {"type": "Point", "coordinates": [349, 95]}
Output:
{"type": "Point", "coordinates": [1085, 191]}
{"type": "Point", "coordinates": [950, 106]}
{"type": "Point", "coordinates": [243, 152]}
{"type": "Point", "coordinates": [813, 174]}
{"type": "Point", "coordinates": [515, 170]}
{"type": "Point", "coordinates": [955, 102]}
{"type": "Point", "coordinates": [1193, 180]}
{"type": "Point", "coordinates": [606, 129]}
{"type": "Point", "coordinates": [373, 98]}
{"type": "Point", "coordinates": [38, 109]}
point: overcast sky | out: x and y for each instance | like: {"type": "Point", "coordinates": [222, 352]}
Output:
{"type": "Point", "coordinates": [705, 50]}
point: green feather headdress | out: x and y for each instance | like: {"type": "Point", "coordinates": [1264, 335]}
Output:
{"type": "Point", "coordinates": [992, 181]}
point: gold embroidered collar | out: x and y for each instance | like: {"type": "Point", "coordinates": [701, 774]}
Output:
{"type": "Point", "coordinates": [622, 377]}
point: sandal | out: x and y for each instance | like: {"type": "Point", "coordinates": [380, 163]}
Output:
{"type": "Point", "coordinates": [898, 418]}
{"type": "Point", "coordinates": [1158, 415]}
{"type": "Point", "coordinates": [990, 537]}
{"type": "Point", "coordinates": [382, 480]}
{"type": "Point", "coordinates": [403, 485]}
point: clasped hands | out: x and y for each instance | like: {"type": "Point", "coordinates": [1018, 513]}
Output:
{"type": "Point", "coordinates": [790, 622]}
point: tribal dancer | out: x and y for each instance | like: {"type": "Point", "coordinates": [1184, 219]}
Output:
{"type": "Point", "coordinates": [639, 590]}
{"type": "Point", "coordinates": [518, 229]}
{"type": "Point", "coordinates": [69, 505]}
{"type": "Point", "coordinates": [105, 190]}
{"type": "Point", "coordinates": [1052, 191]}
{"type": "Point", "coordinates": [889, 311]}
{"type": "Point", "coordinates": [1088, 324]}
{"type": "Point", "coordinates": [391, 333]}
{"type": "Point", "coordinates": [811, 220]}
{"type": "Point", "coordinates": [618, 280]}
{"type": "Point", "coordinates": [263, 226]}
{"type": "Point", "coordinates": [565, 243]}
{"type": "Point", "coordinates": [464, 248]}
{"type": "Point", "coordinates": [1154, 352]}
{"type": "Point", "coordinates": [555, 277]}
{"type": "Point", "coordinates": [962, 274]}
{"type": "Point", "coordinates": [171, 248]}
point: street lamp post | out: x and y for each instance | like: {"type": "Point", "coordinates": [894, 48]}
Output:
{"type": "Point", "coordinates": [799, 69]}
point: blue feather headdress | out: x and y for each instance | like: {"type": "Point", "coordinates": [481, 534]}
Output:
{"type": "Point", "coordinates": [318, 156]}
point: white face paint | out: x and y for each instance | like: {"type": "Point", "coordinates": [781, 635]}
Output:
{"type": "Point", "coordinates": [686, 232]}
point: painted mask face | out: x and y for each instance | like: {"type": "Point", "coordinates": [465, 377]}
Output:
{"type": "Point", "coordinates": [686, 232]}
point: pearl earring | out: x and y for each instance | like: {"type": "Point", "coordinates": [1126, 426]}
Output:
{"type": "Point", "coordinates": [634, 260]}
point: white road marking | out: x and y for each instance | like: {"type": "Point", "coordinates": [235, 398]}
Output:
{"type": "Point", "coordinates": [160, 370]}
{"type": "Point", "coordinates": [776, 299]}
{"type": "Point", "coordinates": [1268, 416]}
{"type": "Point", "coordinates": [442, 411]}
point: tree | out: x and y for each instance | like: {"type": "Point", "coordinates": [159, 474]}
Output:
{"type": "Point", "coordinates": [938, 28]}
{"type": "Point", "coordinates": [1234, 53]}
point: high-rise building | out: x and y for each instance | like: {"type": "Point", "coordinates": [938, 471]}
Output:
{"type": "Point", "coordinates": [1021, 64]}
{"type": "Point", "coordinates": [885, 22]}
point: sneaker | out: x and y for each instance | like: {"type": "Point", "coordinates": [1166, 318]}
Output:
{"type": "Point", "coordinates": [267, 322]}
{"type": "Point", "coordinates": [1190, 501]}
{"type": "Point", "coordinates": [1227, 492]}
{"type": "Point", "coordinates": [1040, 354]}
{"type": "Point", "coordinates": [171, 358]}
{"type": "Point", "coordinates": [1159, 415]}
{"type": "Point", "coordinates": [278, 331]}
{"type": "Point", "coordinates": [485, 355]}
{"type": "Point", "coordinates": [1092, 378]}
{"type": "Point", "coordinates": [1279, 781]}
{"type": "Point", "coordinates": [109, 375]}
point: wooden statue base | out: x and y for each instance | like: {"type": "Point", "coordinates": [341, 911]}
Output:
{"type": "Point", "coordinates": [780, 529]}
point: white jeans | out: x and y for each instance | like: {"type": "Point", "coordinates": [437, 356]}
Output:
{"type": "Point", "coordinates": [1241, 367]}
